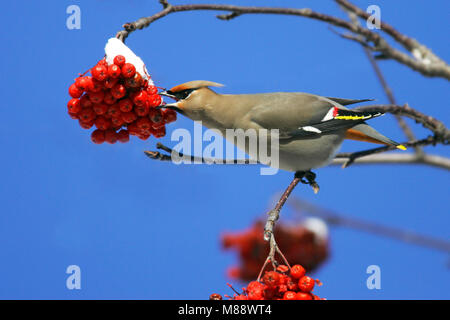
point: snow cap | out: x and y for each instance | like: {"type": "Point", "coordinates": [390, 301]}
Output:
{"type": "Point", "coordinates": [115, 47]}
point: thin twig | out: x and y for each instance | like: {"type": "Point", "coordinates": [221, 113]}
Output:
{"type": "Point", "coordinates": [438, 68]}
{"type": "Point", "coordinates": [395, 158]}
{"type": "Point", "coordinates": [387, 90]}
{"type": "Point", "coordinates": [334, 218]}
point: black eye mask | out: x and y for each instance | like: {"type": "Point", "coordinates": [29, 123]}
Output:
{"type": "Point", "coordinates": [180, 95]}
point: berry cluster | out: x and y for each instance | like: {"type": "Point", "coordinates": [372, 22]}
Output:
{"type": "Point", "coordinates": [299, 244]}
{"type": "Point", "coordinates": [118, 101]}
{"type": "Point", "coordinates": [281, 284]}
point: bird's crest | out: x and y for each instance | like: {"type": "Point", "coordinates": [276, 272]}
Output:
{"type": "Point", "coordinates": [195, 85]}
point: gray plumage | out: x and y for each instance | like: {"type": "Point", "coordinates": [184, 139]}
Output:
{"type": "Point", "coordinates": [310, 130]}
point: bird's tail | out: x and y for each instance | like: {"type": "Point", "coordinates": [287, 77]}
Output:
{"type": "Point", "coordinates": [364, 132]}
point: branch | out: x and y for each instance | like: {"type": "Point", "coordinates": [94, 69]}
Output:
{"type": "Point", "coordinates": [440, 131]}
{"type": "Point", "coordinates": [396, 158]}
{"type": "Point", "coordinates": [352, 157]}
{"type": "Point", "coordinates": [412, 45]}
{"type": "Point", "coordinates": [387, 90]}
{"type": "Point", "coordinates": [156, 155]}
{"type": "Point", "coordinates": [339, 220]}
{"type": "Point", "coordinates": [436, 68]}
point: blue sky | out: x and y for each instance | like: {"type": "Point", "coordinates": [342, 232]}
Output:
{"type": "Point", "coordinates": [141, 229]}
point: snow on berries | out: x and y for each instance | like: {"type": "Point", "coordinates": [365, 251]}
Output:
{"type": "Point", "coordinates": [118, 99]}
{"type": "Point", "coordinates": [280, 284]}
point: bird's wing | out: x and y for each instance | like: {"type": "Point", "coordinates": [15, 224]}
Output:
{"type": "Point", "coordinates": [346, 102]}
{"type": "Point", "coordinates": [299, 115]}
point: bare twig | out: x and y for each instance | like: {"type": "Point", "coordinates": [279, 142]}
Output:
{"type": "Point", "coordinates": [334, 218]}
{"type": "Point", "coordinates": [436, 69]}
{"type": "Point", "coordinates": [440, 131]}
{"type": "Point", "coordinates": [387, 90]}
{"type": "Point", "coordinates": [156, 155]}
{"type": "Point", "coordinates": [352, 157]}
{"type": "Point", "coordinates": [396, 158]}
{"type": "Point", "coordinates": [412, 45]}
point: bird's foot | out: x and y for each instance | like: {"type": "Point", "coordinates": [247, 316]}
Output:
{"type": "Point", "coordinates": [308, 177]}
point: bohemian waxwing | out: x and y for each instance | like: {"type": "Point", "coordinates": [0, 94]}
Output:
{"type": "Point", "coordinates": [311, 127]}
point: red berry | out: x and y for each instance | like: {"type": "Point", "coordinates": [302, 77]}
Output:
{"type": "Point", "coordinates": [154, 100]}
{"type": "Point", "coordinates": [215, 296]}
{"type": "Point", "coordinates": [128, 117]}
{"type": "Point", "coordinates": [134, 82]}
{"type": "Point", "coordinates": [133, 128]}
{"type": "Point", "coordinates": [151, 90]}
{"type": "Point", "coordinates": [128, 70]}
{"type": "Point", "coordinates": [140, 98]}
{"type": "Point", "coordinates": [159, 132]}
{"type": "Point", "coordinates": [125, 105]}
{"type": "Point", "coordinates": [110, 82]}
{"type": "Point", "coordinates": [143, 136]}
{"type": "Point", "coordinates": [114, 71]}
{"type": "Point", "coordinates": [99, 72]}
{"type": "Point", "coordinates": [74, 106]}
{"type": "Point", "coordinates": [102, 123]}
{"type": "Point", "coordinates": [74, 91]}
{"type": "Point", "coordinates": [291, 284]}
{"type": "Point", "coordinates": [84, 83]}
{"type": "Point", "coordinates": [271, 278]}
{"type": "Point", "coordinates": [117, 121]}
{"type": "Point", "coordinates": [169, 115]}
{"type": "Point", "coordinates": [87, 115]}
{"type": "Point", "coordinates": [123, 136]}
{"type": "Point", "coordinates": [156, 117]}
{"type": "Point", "coordinates": [281, 268]}
{"type": "Point", "coordinates": [85, 101]}
{"type": "Point", "coordinates": [289, 295]}
{"type": "Point", "coordinates": [114, 111]}
{"type": "Point", "coordinates": [96, 86]}
{"type": "Point", "coordinates": [306, 284]}
{"type": "Point", "coordinates": [86, 125]}
{"type": "Point", "coordinates": [144, 124]}
{"type": "Point", "coordinates": [255, 294]}
{"type": "Point", "coordinates": [98, 136]}
{"type": "Point", "coordinates": [302, 296]}
{"type": "Point", "coordinates": [119, 60]}
{"type": "Point", "coordinates": [100, 108]}
{"type": "Point", "coordinates": [110, 136]}
{"type": "Point", "coordinates": [102, 62]}
{"type": "Point", "coordinates": [74, 116]}
{"type": "Point", "coordinates": [142, 111]}
{"type": "Point", "coordinates": [108, 98]}
{"type": "Point", "coordinates": [118, 91]}
{"type": "Point", "coordinates": [297, 271]}
{"type": "Point", "coordinates": [97, 97]}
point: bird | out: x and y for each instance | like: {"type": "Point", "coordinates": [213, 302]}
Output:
{"type": "Point", "coordinates": [311, 128]}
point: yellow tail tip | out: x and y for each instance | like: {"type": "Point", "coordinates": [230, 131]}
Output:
{"type": "Point", "coordinates": [401, 147]}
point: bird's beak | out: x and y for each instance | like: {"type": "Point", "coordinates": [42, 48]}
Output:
{"type": "Point", "coordinates": [173, 106]}
{"type": "Point", "coordinates": [166, 94]}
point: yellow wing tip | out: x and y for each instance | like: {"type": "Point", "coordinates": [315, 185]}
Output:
{"type": "Point", "coordinates": [401, 147]}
